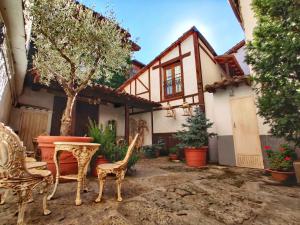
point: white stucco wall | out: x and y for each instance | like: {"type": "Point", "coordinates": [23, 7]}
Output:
{"type": "Point", "coordinates": [211, 72]}
{"type": "Point", "coordinates": [40, 98]}
{"type": "Point", "coordinates": [240, 56]}
{"type": "Point", "coordinates": [248, 18]}
{"type": "Point", "coordinates": [5, 105]}
{"type": "Point", "coordinates": [109, 112]}
{"type": "Point", "coordinates": [189, 67]}
{"type": "Point", "coordinates": [222, 109]}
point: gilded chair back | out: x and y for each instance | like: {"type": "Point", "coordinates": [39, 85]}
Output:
{"type": "Point", "coordinates": [12, 154]}
{"type": "Point", "coordinates": [129, 152]}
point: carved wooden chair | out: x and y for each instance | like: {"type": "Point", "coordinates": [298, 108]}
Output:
{"type": "Point", "coordinates": [119, 169]}
{"type": "Point", "coordinates": [15, 176]}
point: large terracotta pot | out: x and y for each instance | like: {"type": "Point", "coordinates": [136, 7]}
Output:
{"type": "Point", "coordinates": [68, 164]}
{"type": "Point", "coordinates": [297, 170]}
{"type": "Point", "coordinates": [281, 176]}
{"type": "Point", "coordinates": [196, 157]}
{"type": "Point", "coordinates": [100, 160]}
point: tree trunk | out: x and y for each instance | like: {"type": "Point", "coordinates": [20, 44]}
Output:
{"type": "Point", "coordinates": [66, 120]}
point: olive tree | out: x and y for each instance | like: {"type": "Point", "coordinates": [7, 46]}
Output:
{"type": "Point", "coordinates": [76, 47]}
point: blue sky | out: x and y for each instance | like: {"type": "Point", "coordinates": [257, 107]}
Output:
{"type": "Point", "coordinates": [155, 24]}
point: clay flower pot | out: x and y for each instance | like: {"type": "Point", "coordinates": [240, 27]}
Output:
{"type": "Point", "coordinates": [100, 160]}
{"type": "Point", "coordinates": [281, 176]}
{"type": "Point", "coordinates": [196, 157]}
{"type": "Point", "coordinates": [68, 164]}
{"type": "Point", "coordinates": [173, 156]}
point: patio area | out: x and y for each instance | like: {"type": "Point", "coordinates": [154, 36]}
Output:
{"type": "Point", "coordinates": [163, 192]}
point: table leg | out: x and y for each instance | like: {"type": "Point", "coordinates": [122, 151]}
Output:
{"type": "Point", "coordinates": [82, 163]}
{"type": "Point", "coordinates": [56, 162]}
{"type": "Point", "coordinates": [84, 180]}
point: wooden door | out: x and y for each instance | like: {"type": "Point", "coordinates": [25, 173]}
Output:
{"type": "Point", "coordinates": [83, 112]}
{"type": "Point", "coordinates": [245, 133]}
{"type": "Point", "coordinates": [33, 122]}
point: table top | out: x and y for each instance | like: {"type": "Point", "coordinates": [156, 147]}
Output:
{"type": "Point", "coordinates": [76, 143]}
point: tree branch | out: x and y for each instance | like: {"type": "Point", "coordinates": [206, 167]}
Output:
{"type": "Point", "coordinates": [84, 83]}
{"type": "Point", "coordinates": [73, 67]}
{"type": "Point", "coordinates": [63, 82]}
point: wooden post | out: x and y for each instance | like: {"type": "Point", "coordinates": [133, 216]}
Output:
{"type": "Point", "coordinates": [126, 123]}
{"type": "Point", "coordinates": [152, 129]}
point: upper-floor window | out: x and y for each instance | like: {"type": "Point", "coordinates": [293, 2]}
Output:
{"type": "Point", "coordinates": [173, 85]}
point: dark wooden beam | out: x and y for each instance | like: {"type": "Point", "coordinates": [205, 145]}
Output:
{"type": "Point", "coordinates": [126, 123]}
{"type": "Point", "coordinates": [176, 59]}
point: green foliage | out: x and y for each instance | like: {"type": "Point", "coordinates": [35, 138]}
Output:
{"type": "Point", "coordinates": [274, 56]}
{"type": "Point", "coordinates": [107, 138]}
{"type": "Point", "coordinates": [119, 153]}
{"type": "Point", "coordinates": [151, 151]}
{"type": "Point", "coordinates": [173, 150]}
{"type": "Point", "coordinates": [74, 46]}
{"type": "Point", "coordinates": [281, 160]}
{"type": "Point", "coordinates": [195, 132]}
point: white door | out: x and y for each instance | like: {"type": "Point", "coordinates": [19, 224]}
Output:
{"type": "Point", "coordinates": [245, 133]}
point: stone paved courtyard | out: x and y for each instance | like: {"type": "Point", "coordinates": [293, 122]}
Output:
{"type": "Point", "coordinates": [162, 192]}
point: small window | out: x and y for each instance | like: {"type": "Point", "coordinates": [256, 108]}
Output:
{"type": "Point", "coordinates": [173, 81]}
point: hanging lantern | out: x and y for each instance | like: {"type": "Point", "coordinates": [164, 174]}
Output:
{"type": "Point", "coordinates": [170, 111]}
{"type": "Point", "coordinates": [187, 111]}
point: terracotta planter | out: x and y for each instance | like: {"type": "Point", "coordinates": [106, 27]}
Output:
{"type": "Point", "coordinates": [196, 157]}
{"type": "Point", "coordinates": [173, 156]}
{"type": "Point", "coordinates": [281, 176]}
{"type": "Point", "coordinates": [68, 164]}
{"type": "Point", "coordinates": [297, 170]}
{"type": "Point", "coordinates": [100, 160]}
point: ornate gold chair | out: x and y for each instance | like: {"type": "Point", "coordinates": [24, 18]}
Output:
{"type": "Point", "coordinates": [15, 176]}
{"type": "Point", "coordinates": [119, 169]}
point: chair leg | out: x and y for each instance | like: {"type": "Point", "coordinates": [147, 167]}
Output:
{"type": "Point", "coordinates": [45, 190]}
{"type": "Point", "coordinates": [118, 183]}
{"type": "Point", "coordinates": [119, 177]}
{"type": "Point", "coordinates": [4, 196]}
{"type": "Point", "coordinates": [23, 195]}
{"type": "Point", "coordinates": [101, 177]}
{"type": "Point", "coordinates": [22, 207]}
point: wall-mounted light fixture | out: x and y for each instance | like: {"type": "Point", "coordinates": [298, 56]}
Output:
{"type": "Point", "coordinates": [94, 101]}
{"type": "Point", "coordinates": [187, 110]}
{"type": "Point", "coordinates": [170, 111]}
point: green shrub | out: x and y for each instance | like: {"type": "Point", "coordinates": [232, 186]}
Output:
{"type": "Point", "coordinates": [195, 133]}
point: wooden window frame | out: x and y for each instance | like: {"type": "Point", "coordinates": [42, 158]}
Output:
{"type": "Point", "coordinates": [174, 94]}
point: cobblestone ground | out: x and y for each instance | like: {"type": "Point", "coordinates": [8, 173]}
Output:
{"type": "Point", "coordinates": [162, 192]}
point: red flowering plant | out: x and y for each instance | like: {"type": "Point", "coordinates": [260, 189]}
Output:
{"type": "Point", "coordinates": [281, 160]}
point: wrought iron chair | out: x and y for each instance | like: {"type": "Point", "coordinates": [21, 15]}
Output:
{"type": "Point", "coordinates": [30, 164]}
{"type": "Point", "coordinates": [119, 169]}
{"type": "Point", "coordinates": [15, 176]}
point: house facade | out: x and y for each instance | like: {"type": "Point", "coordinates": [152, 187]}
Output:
{"type": "Point", "coordinates": [176, 79]}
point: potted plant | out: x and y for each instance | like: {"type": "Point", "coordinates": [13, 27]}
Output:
{"type": "Point", "coordinates": [194, 138]}
{"type": "Point", "coordinates": [173, 151]}
{"type": "Point", "coordinates": [74, 47]}
{"type": "Point", "coordinates": [106, 138]}
{"type": "Point", "coordinates": [281, 162]}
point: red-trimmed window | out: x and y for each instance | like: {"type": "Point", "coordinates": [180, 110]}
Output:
{"type": "Point", "coordinates": [173, 83]}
